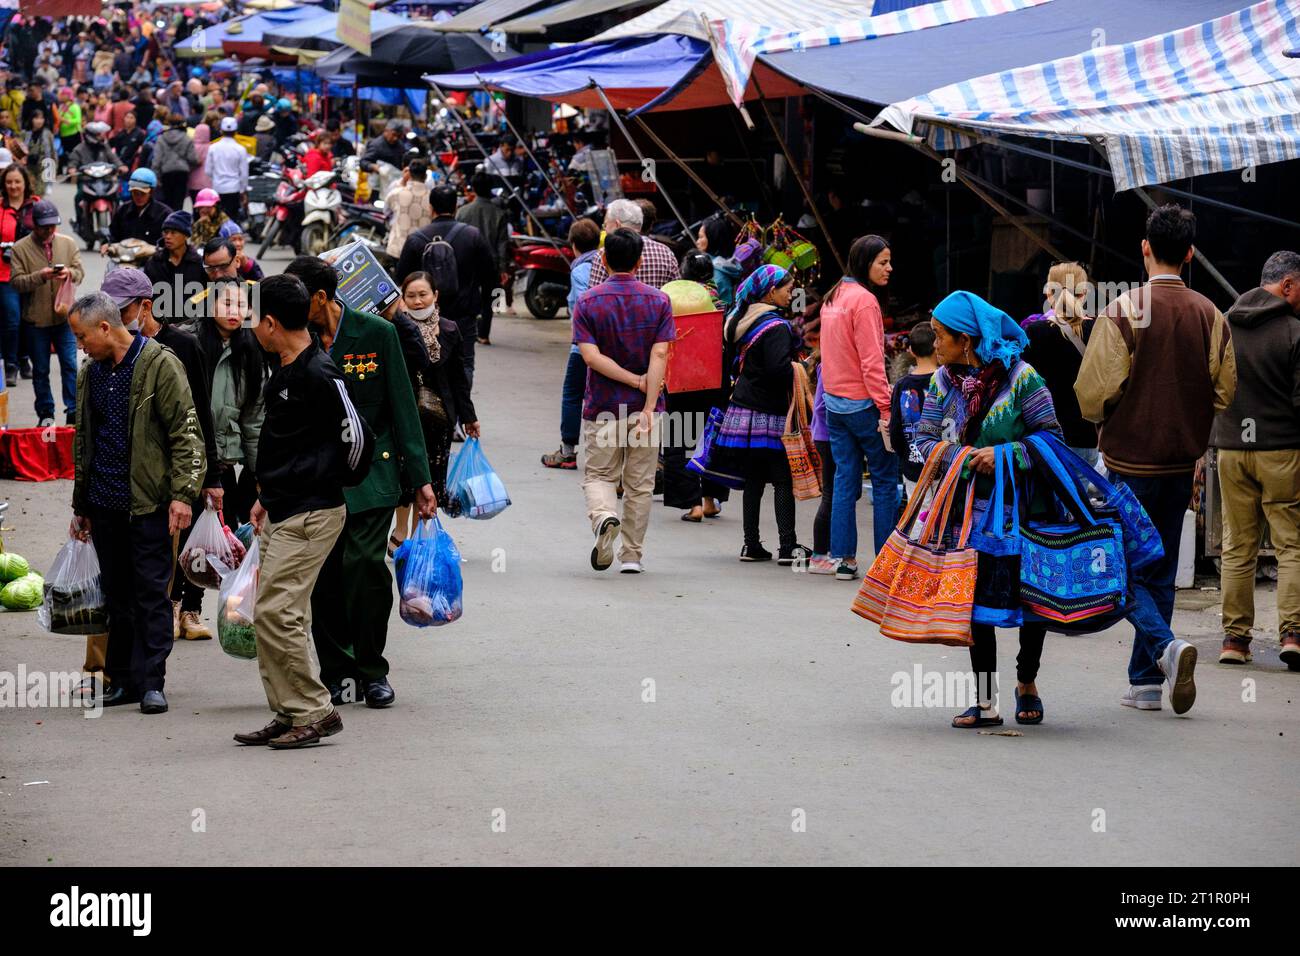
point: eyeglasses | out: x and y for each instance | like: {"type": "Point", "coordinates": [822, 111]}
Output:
{"type": "Point", "coordinates": [217, 266]}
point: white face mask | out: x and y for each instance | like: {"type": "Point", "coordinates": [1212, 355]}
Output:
{"type": "Point", "coordinates": [421, 314]}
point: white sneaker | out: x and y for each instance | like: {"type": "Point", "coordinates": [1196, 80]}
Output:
{"type": "Point", "coordinates": [822, 564]}
{"type": "Point", "coordinates": [1143, 696]}
{"type": "Point", "coordinates": [631, 567]}
{"type": "Point", "coordinates": [1179, 665]}
{"type": "Point", "coordinates": [602, 555]}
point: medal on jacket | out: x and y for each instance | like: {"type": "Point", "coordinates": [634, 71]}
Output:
{"type": "Point", "coordinates": [348, 366]}
{"type": "Point", "coordinates": [372, 365]}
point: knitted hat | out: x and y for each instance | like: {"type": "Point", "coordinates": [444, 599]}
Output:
{"type": "Point", "coordinates": [178, 222]}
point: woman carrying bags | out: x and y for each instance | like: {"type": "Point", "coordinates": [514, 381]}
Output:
{"type": "Point", "coordinates": [759, 346]}
{"type": "Point", "coordinates": [983, 396]}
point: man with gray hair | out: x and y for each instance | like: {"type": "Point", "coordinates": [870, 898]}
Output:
{"type": "Point", "coordinates": [139, 461]}
{"type": "Point", "coordinates": [658, 264]}
{"type": "Point", "coordinates": [1258, 437]}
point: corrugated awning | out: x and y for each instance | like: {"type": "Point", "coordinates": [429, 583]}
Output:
{"type": "Point", "coordinates": [539, 21]}
{"type": "Point", "coordinates": [487, 14]}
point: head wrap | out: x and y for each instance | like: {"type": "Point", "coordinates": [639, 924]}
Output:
{"type": "Point", "coordinates": [762, 281]}
{"type": "Point", "coordinates": [1000, 337]}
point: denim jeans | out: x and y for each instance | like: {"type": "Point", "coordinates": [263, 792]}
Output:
{"type": "Point", "coordinates": [853, 437]}
{"type": "Point", "coordinates": [11, 323]}
{"type": "Point", "coordinates": [1165, 499]}
{"type": "Point", "coordinates": [60, 336]}
{"type": "Point", "coordinates": [575, 385]}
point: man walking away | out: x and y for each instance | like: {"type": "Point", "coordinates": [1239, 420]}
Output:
{"type": "Point", "coordinates": [475, 268]}
{"type": "Point", "coordinates": [408, 206]}
{"type": "Point", "coordinates": [1258, 437]}
{"type": "Point", "coordinates": [622, 327]}
{"type": "Point", "coordinates": [1158, 367]}
{"type": "Point", "coordinates": [139, 463]}
{"type": "Point", "coordinates": [313, 444]}
{"type": "Point", "coordinates": [353, 598]}
{"type": "Point", "coordinates": [584, 237]}
{"type": "Point", "coordinates": [227, 166]}
{"type": "Point", "coordinates": [40, 263]}
{"type": "Point", "coordinates": [491, 222]}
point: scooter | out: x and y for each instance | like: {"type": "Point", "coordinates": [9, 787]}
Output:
{"type": "Point", "coordinates": [304, 212]}
{"type": "Point", "coordinates": [98, 184]}
{"type": "Point", "coordinates": [545, 271]}
{"type": "Point", "coordinates": [366, 223]}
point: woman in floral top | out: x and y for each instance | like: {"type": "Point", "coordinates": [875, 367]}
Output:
{"type": "Point", "coordinates": [983, 396]}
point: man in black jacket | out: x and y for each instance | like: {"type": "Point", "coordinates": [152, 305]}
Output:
{"type": "Point", "coordinates": [387, 147]}
{"type": "Point", "coordinates": [1258, 437]}
{"type": "Point", "coordinates": [141, 218]}
{"type": "Point", "coordinates": [475, 266]}
{"type": "Point", "coordinates": [175, 270]}
{"type": "Point", "coordinates": [313, 444]}
{"type": "Point", "coordinates": [132, 292]}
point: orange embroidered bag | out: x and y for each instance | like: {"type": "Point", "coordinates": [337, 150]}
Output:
{"type": "Point", "coordinates": [800, 450]}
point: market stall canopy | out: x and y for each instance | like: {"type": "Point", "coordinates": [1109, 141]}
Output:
{"type": "Point", "coordinates": [487, 14]}
{"type": "Point", "coordinates": [399, 55]}
{"type": "Point", "coordinates": [1207, 97]}
{"type": "Point", "coordinates": [686, 17]}
{"type": "Point", "coordinates": [540, 21]}
{"type": "Point", "coordinates": [632, 72]}
{"type": "Point", "coordinates": [245, 32]}
{"type": "Point", "coordinates": [320, 32]}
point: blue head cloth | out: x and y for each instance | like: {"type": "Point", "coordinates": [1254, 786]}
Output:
{"type": "Point", "coordinates": [1000, 337]}
{"type": "Point", "coordinates": [762, 281]}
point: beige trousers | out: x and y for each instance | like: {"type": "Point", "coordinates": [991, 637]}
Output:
{"type": "Point", "coordinates": [1258, 487]}
{"type": "Point", "coordinates": [614, 452]}
{"type": "Point", "coordinates": [293, 552]}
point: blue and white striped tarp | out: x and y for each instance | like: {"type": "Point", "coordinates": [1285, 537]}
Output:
{"type": "Point", "coordinates": [1215, 96]}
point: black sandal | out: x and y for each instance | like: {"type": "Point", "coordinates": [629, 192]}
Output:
{"type": "Point", "coordinates": [979, 721]}
{"type": "Point", "coordinates": [1026, 702]}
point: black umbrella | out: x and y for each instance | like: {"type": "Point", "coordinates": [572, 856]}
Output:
{"type": "Point", "coordinates": [400, 55]}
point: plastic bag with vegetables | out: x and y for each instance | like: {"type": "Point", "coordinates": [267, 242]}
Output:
{"type": "Point", "coordinates": [235, 605]}
{"type": "Point", "coordinates": [74, 596]}
{"type": "Point", "coordinates": [428, 577]}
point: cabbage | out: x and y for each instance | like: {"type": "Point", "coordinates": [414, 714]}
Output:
{"type": "Point", "coordinates": [12, 566]}
{"type": "Point", "coordinates": [25, 594]}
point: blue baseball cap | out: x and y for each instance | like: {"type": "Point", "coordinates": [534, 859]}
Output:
{"type": "Point", "coordinates": [143, 179]}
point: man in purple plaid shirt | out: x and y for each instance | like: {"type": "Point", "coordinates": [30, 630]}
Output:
{"type": "Point", "coordinates": [658, 264]}
{"type": "Point", "coordinates": [622, 327]}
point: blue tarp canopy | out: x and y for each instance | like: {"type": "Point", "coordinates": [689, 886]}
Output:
{"type": "Point", "coordinates": [894, 68]}
{"type": "Point", "coordinates": [320, 32]}
{"type": "Point", "coordinates": [247, 29]}
{"type": "Point", "coordinates": [341, 86]}
{"type": "Point", "coordinates": [632, 72]}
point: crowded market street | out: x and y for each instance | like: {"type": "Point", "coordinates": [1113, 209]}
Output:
{"type": "Point", "coordinates": [694, 714]}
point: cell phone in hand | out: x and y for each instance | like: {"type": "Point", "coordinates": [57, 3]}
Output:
{"type": "Point", "coordinates": [58, 267]}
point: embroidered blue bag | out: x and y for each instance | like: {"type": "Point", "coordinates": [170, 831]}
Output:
{"type": "Point", "coordinates": [1073, 571]}
{"type": "Point", "coordinates": [996, 539]}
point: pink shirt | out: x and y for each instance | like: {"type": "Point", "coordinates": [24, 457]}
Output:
{"type": "Point", "coordinates": [853, 347]}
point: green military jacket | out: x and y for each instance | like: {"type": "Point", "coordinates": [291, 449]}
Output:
{"type": "Point", "coordinates": [367, 351]}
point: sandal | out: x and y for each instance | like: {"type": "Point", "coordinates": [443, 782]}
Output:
{"type": "Point", "coordinates": [980, 721]}
{"type": "Point", "coordinates": [1027, 702]}
{"type": "Point", "coordinates": [692, 516]}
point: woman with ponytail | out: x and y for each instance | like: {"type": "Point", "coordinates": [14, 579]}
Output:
{"type": "Point", "coordinates": [1057, 338]}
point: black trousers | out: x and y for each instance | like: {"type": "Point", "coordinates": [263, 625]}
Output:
{"type": "Point", "coordinates": [680, 433]}
{"type": "Point", "coordinates": [232, 204]}
{"type": "Point", "coordinates": [173, 188]}
{"type": "Point", "coordinates": [240, 493]}
{"type": "Point", "coordinates": [352, 600]}
{"type": "Point", "coordinates": [768, 467]}
{"type": "Point", "coordinates": [135, 560]}
{"type": "Point", "coordinates": [984, 656]}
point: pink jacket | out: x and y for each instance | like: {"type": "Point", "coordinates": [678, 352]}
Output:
{"type": "Point", "coordinates": [853, 347]}
{"type": "Point", "coordinates": [198, 178]}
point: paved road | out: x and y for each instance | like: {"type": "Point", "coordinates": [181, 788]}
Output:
{"type": "Point", "coordinates": [770, 698]}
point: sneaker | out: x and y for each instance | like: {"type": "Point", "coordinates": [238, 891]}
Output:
{"type": "Point", "coordinates": [1236, 650]}
{"type": "Point", "coordinates": [176, 620]}
{"type": "Point", "coordinates": [846, 571]}
{"type": "Point", "coordinates": [193, 628]}
{"type": "Point", "coordinates": [602, 555]}
{"type": "Point", "coordinates": [1143, 697]}
{"type": "Point", "coordinates": [631, 567]}
{"type": "Point", "coordinates": [822, 564]}
{"type": "Point", "coordinates": [1291, 650]}
{"type": "Point", "coordinates": [558, 459]}
{"type": "Point", "coordinates": [756, 553]}
{"type": "Point", "coordinates": [796, 554]}
{"type": "Point", "coordinates": [1179, 664]}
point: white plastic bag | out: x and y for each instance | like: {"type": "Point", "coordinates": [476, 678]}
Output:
{"type": "Point", "coordinates": [74, 596]}
{"type": "Point", "coordinates": [236, 604]}
{"type": "Point", "coordinates": [207, 557]}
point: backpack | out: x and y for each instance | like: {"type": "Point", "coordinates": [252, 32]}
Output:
{"type": "Point", "coordinates": [439, 262]}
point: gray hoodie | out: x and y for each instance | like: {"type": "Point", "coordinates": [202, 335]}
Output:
{"type": "Point", "coordinates": [1265, 414]}
{"type": "Point", "coordinates": [174, 153]}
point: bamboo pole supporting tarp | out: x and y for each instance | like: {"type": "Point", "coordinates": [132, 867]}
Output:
{"type": "Point", "coordinates": [695, 177]}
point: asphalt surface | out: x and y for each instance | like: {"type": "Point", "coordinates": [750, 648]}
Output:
{"type": "Point", "coordinates": [707, 711]}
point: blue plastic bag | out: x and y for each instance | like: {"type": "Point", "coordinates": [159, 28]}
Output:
{"type": "Point", "coordinates": [429, 586]}
{"type": "Point", "coordinates": [473, 483]}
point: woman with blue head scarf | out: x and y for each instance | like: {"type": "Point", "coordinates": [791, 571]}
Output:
{"type": "Point", "coordinates": [759, 344]}
{"type": "Point", "coordinates": [984, 395]}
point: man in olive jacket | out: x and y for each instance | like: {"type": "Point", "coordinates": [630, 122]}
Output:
{"type": "Point", "coordinates": [353, 597]}
{"type": "Point", "coordinates": [139, 463]}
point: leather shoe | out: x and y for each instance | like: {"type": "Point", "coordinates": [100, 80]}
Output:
{"type": "Point", "coordinates": [116, 696]}
{"type": "Point", "coordinates": [379, 693]}
{"type": "Point", "coordinates": [264, 736]}
{"type": "Point", "coordinates": [344, 693]}
{"type": "Point", "coordinates": [153, 702]}
{"type": "Point", "coordinates": [307, 734]}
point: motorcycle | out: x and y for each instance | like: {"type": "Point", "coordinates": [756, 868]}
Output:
{"type": "Point", "coordinates": [129, 253]}
{"type": "Point", "coordinates": [362, 222]}
{"type": "Point", "coordinates": [305, 212]}
{"type": "Point", "coordinates": [98, 185]}
{"type": "Point", "coordinates": [544, 268]}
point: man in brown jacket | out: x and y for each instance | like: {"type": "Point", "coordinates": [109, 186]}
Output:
{"type": "Point", "coordinates": [1158, 367]}
{"type": "Point", "coordinates": [41, 262]}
